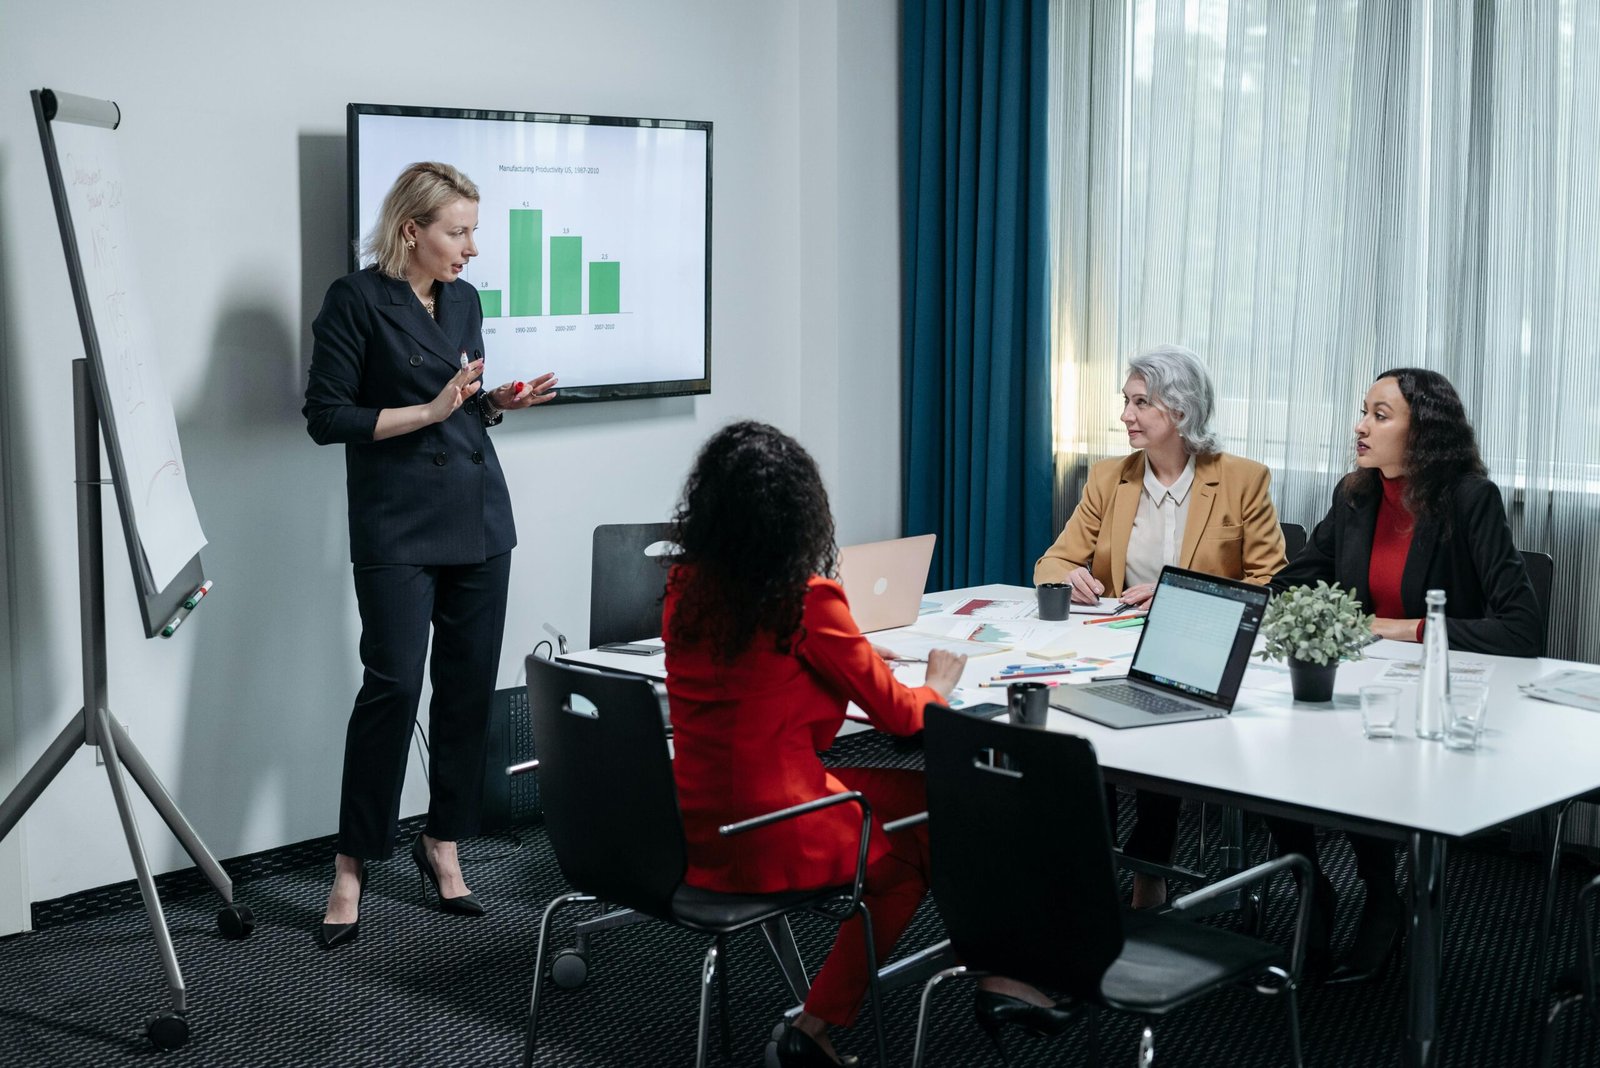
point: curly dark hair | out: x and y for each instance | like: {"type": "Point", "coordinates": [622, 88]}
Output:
{"type": "Point", "coordinates": [754, 527]}
{"type": "Point", "coordinates": [1441, 448]}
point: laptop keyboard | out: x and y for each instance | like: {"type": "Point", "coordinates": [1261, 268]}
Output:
{"type": "Point", "coordinates": [1143, 700]}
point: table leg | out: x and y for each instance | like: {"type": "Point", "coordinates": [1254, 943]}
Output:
{"type": "Point", "coordinates": [1424, 949]}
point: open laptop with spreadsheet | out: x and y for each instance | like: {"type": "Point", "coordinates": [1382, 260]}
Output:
{"type": "Point", "coordinates": [1192, 653]}
{"type": "Point", "coordinates": [884, 580]}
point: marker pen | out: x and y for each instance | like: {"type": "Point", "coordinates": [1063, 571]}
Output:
{"type": "Point", "coordinates": [176, 621]}
{"type": "Point", "coordinates": [194, 598]}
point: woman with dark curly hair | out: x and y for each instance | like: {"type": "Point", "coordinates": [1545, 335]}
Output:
{"type": "Point", "coordinates": [1418, 513]}
{"type": "Point", "coordinates": [762, 658]}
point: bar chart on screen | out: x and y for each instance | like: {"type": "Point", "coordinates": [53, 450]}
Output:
{"type": "Point", "coordinates": [593, 239]}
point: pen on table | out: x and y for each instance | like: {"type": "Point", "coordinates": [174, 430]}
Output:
{"type": "Point", "coordinates": [1005, 676]}
{"type": "Point", "coordinates": [1002, 683]}
{"type": "Point", "coordinates": [1031, 669]}
{"type": "Point", "coordinates": [194, 598]}
{"type": "Point", "coordinates": [1114, 619]}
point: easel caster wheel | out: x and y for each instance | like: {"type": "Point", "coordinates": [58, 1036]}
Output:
{"type": "Point", "coordinates": [235, 922]}
{"type": "Point", "coordinates": [166, 1030]}
{"type": "Point", "coordinates": [570, 968]}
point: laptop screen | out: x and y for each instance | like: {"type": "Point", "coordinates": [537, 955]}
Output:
{"type": "Point", "coordinates": [1198, 636]}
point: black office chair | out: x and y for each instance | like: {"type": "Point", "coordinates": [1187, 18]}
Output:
{"type": "Point", "coordinates": [1294, 539]}
{"type": "Point", "coordinates": [1581, 985]}
{"type": "Point", "coordinates": [1023, 873]}
{"type": "Point", "coordinates": [627, 574]}
{"type": "Point", "coordinates": [1542, 573]}
{"type": "Point", "coordinates": [611, 810]}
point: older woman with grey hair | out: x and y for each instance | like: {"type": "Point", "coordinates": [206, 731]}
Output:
{"type": "Point", "coordinates": [1178, 499]}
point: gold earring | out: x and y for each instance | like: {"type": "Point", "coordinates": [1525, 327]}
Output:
{"type": "Point", "coordinates": [411, 245]}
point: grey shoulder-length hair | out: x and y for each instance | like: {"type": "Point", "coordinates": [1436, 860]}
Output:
{"type": "Point", "coordinates": [1178, 381]}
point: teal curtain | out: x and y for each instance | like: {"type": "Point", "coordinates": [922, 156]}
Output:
{"type": "Point", "coordinates": [975, 391]}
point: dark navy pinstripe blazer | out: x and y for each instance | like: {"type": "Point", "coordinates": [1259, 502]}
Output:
{"type": "Point", "coordinates": [436, 495]}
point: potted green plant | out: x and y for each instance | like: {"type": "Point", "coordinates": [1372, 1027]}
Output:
{"type": "Point", "coordinates": [1314, 628]}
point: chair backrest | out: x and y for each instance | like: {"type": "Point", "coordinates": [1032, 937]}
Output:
{"type": "Point", "coordinates": [1020, 850]}
{"type": "Point", "coordinates": [605, 781]}
{"type": "Point", "coordinates": [626, 582]}
{"type": "Point", "coordinates": [1294, 539]}
{"type": "Point", "coordinates": [1542, 573]}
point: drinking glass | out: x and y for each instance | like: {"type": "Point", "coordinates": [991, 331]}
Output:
{"type": "Point", "coordinates": [1380, 710]}
{"type": "Point", "coordinates": [1465, 707]}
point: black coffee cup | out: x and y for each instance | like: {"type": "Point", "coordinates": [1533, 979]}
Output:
{"type": "Point", "coordinates": [1055, 599]}
{"type": "Point", "coordinates": [1028, 703]}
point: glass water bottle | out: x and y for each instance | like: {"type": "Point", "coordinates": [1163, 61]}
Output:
{"type": "Point", "coordinates": [1435, 684]}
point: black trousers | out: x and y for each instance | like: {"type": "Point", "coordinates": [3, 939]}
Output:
{"type": "Point", "coordinates": [1154, 837]}
{"type": "Point", "coordinates": [465, 605]}
{"type": "Point", "coordinates": [1374, 856]}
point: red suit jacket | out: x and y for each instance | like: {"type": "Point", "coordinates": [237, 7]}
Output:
{"type": "Point", "coordinates": [745, 739]}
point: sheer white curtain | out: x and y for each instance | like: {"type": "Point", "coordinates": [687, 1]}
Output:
{"type": "Point", "coordinates": [1310, 192]}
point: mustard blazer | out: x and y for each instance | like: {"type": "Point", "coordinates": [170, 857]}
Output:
{"type": "Point", "coordinates": [1231, 530]}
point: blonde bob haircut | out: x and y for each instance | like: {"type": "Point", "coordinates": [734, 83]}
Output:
{"type": "Point", "coordinates": [419, 193]}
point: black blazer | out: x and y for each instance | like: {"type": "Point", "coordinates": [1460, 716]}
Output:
{"type": "Point", "coordinates": [435, 496]}
{"type": "Point", "coordinates": [1489, 602]}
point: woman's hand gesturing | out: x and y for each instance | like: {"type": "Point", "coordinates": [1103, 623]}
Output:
{"type": "Point", "coordinates": [462, 385]}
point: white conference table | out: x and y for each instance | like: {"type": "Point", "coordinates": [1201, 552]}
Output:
{"type": "Point", "coordinates": [1312, 762]}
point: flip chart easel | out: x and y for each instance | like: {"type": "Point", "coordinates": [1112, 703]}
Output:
{"type": "Point", "coordinates": [94, 725]}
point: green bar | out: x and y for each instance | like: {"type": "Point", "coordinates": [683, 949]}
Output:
{"type": "Point", "coordinates": [490, 299]}
{"type": "Point", "coordinates": [605, 287]}
{"type": "Point", "coordinates": [566, 276]}
{"type": "Point", "coordinates": [527, 261]}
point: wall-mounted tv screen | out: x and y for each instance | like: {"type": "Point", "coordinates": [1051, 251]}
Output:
{"type": "Point", "coordinates": [594, 239]}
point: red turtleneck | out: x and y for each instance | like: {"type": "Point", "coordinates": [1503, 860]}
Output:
{"type": "Point", "coordinates": [1391, 544]}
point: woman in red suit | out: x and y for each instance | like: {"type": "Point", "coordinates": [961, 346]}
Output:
{"type": "Point", "coordinates": [762, 657]}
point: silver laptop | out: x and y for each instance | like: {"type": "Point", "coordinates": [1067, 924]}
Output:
{"type": "Point", "coordinates": [1191, 658]}
{"type": "Point", "coordinates": [884, 580]}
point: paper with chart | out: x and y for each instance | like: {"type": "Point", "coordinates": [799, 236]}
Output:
{"type": "Point", "coordinates": [138, 408]}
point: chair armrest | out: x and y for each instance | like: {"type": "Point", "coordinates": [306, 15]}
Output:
{"type": "Point", "coordinates": [896, 826]}
{"type": "Point", "coordinates": [1264, 873]}
{"type": "Point", "coordinates": [1244, 879]}
{"type": "Point", "coordinates": [730, 829]}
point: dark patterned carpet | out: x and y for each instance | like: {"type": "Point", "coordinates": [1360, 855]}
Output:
{"type": "Point", "coordinates": [422, 988]}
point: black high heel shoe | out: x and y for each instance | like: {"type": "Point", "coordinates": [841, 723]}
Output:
{"type": "Point", "coordinates": [465, 905]}
{"type": "Point", "coordinates": [995, 1010]}
{"type": "Point", "coordinates": [1377, 940]}
{"type": "Point", "coordinates": [334, 935]}
{"type": "Point", "coordinates": [796, 1049]}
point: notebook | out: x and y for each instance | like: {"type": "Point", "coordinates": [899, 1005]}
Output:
{"type": "Point", "coordinates": [1193, 649]}
{"type": "Point", "coordinates": [884, 580]}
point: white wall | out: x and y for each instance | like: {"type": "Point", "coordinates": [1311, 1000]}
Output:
{"type": "Point", "coordinates": [233, 148]}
